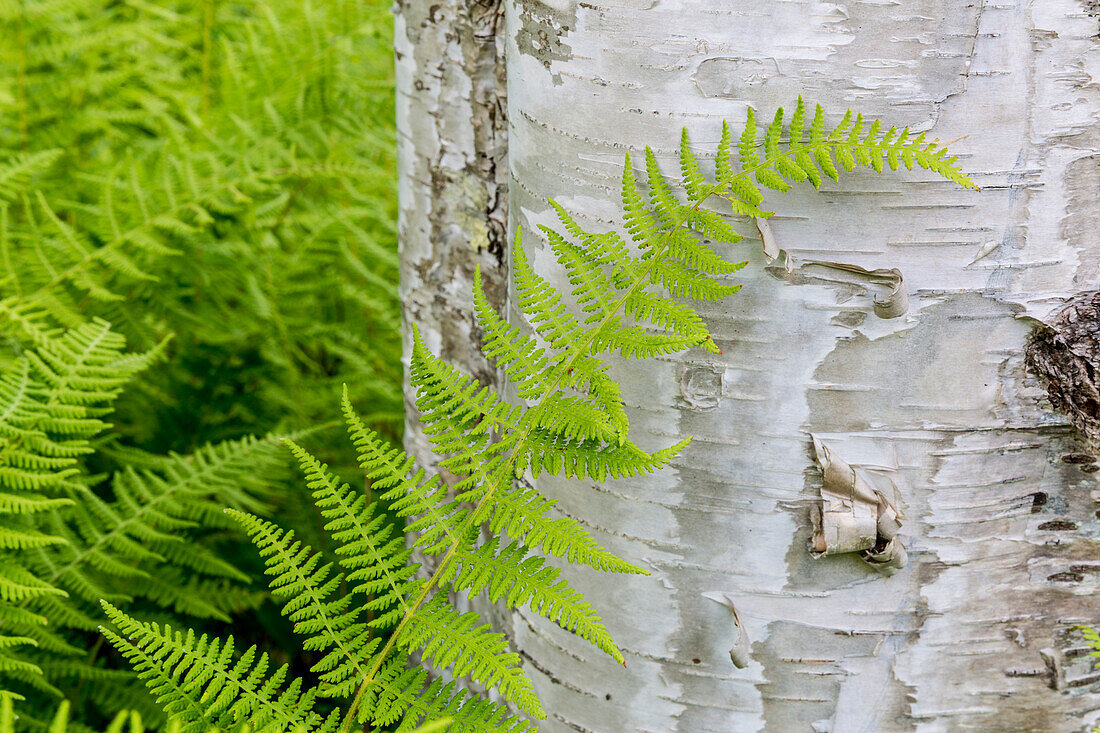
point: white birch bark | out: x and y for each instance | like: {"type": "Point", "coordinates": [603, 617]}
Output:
{"type": "Point", "coordinates": [975, 633]}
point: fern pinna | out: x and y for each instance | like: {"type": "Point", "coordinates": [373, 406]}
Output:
{"type": "Point", "coordinates": [368, 618]}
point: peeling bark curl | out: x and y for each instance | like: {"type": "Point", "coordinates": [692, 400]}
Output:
{"type": "Point", "coordinates": [855, 516]}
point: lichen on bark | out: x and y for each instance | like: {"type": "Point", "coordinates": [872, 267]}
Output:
{"type": "Point", "coordinates": [452, 174]}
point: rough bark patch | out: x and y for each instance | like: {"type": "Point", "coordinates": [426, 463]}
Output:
{"type": "Point", "coordinates": [1065, 354]}
{"type": "Point", "coordinates": [541, 30]}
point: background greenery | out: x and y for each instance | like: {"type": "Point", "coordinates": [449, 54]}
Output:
{"type": "Point", "coordinates": [215, 180]}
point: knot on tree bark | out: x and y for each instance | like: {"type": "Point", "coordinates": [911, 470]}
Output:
{"type": "Point", "coordinates": [1065, 355]}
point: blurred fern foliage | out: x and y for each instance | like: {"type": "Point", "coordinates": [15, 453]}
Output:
{"type": "Point", "coordinates": [196, 246]}
{"type": "Point", "coordinates": [219, 171]}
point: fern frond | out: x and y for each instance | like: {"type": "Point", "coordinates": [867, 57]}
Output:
{"type": "Point", "coordinates": [200, 681]}
{"type": "Point", "coordinates": [378, 567]}
{"type": "Point", "coordinates": [330, 622]}
{"type": "Point", "coordinates": [569, 420]}
{"type": "Point", "coordinates": [373, 554]}
{"type": "Point", "coordinates": [138, 538]}
{"type": "Point", "coordinates": [811, 157]}
{"type": "Point", "coordinates": [17, 172]}
{"type": "Point", "coordinates": [608, 280]}
{"type": "Point", "coordinates": [64, 545]}
{"type": "Point", "coordinates": [51, 402]}
{"type": "Point", "coordinates": [261, 207]}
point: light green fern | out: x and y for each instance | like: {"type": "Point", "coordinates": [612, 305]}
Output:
{"type": "Point", "coordinates": [51, 403]}
{"type": "Point", "coordinates": [367, 616]}
{"type": "Point", "coordinates": [223, 176]}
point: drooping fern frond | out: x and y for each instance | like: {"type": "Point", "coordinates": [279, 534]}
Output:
{"type": "Point", "coordinates": [627, 298]}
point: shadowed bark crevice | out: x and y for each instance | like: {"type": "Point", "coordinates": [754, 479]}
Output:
{"type": "Point", "coordinates": [1065, 355]}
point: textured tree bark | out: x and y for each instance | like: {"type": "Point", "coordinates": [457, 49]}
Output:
{"type": "Point", "coordinates": [452, 175]}
{"type": "Point", "coordinates": [975, 633]}
{"type": "Point", "coordinates": [452, 188]}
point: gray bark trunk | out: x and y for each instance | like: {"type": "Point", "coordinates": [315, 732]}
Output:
{"type": "Point", "coordinates": [452, 186]}
{"type": "Point", "coordinates": [976, 632]}
{"type": "Point", "coordinates": [452, 174]}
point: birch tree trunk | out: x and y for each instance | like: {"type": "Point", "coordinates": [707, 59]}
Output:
{"type": "Point", "coordinates": [452, 173]}
{"type": "Point", "coordinates": [976, 632]}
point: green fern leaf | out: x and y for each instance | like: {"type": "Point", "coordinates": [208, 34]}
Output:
{"type": "Point", "coordinates": [199, 681]}
{"type": "Point", "coordinates": [330, 621]}
{"type": "Point", "coordinates": [451, 639]}
{"type": "Point", "coordinates": [693, 178]}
